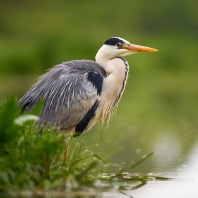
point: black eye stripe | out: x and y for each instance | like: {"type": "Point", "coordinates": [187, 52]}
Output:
{"type": "Point", "coordinates": [113, 41]}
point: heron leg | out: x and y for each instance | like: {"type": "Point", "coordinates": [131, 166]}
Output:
{"type": "Point", "coordinates": [66, 153]}
{"type": "Point", "coordinates": [66, 140]}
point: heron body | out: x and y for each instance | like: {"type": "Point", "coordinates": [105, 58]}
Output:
{"type": "Point", "coordinates": [79, 93]}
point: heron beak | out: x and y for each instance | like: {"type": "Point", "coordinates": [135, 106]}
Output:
{"type": "Point", "coordinates": [138, 48]}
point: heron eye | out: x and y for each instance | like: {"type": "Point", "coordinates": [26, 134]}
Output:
{"type": "Point", "coordinates": [118, 45]}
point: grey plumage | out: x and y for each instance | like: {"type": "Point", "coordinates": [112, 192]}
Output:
{"type": "Point", "coordinates": [77, 94]}
{"type": "Point", "coordinates": [66, 93]}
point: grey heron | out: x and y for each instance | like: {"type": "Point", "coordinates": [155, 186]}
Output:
{"type": "Point", "coordinates": [79, 93]}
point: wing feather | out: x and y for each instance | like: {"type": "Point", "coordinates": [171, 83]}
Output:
{"type": "Point", "coordinates": [67, 92]}
{"type": "Point", "coordinates": [67, 111]}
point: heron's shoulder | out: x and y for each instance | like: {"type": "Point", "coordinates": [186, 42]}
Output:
{"type": "Point", "coordinates": [82, 66]}
{"type": "Point", "coordinates": [80, 63]}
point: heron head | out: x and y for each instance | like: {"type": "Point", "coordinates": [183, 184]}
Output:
{"type": "Point", "coordinates": [117, 46]}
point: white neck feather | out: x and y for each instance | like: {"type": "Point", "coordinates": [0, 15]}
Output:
{"type": "Point", "coordinates": [115, 82]}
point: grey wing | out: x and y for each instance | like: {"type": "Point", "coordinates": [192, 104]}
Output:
{"type": "Point", "coordinates": [67, 92]}
{"type": "Point", "coordinates": [68, 101]}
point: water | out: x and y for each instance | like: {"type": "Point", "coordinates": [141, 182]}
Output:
{"type": "Point", "coordinates": [184, 183]}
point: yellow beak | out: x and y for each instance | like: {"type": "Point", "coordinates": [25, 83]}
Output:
{"type": "Point", "coordinates": [138, 48]}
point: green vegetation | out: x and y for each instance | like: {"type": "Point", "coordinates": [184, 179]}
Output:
{"type": "Point", "coordinates": [158, 110]}
{"type": "Point", "coordinates": [36, 164]}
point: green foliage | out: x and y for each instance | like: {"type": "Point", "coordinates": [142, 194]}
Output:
{"type": "Point", "coordinates": [160, 98]}
{"type": "Point", "coordinates": [37, 35]}
{"type": "Point", "coordinates": [161, 94]}
{"type": "Point", "coordinates": [34, 162]}
{"type": "Point", "coordinates": [30, 160]}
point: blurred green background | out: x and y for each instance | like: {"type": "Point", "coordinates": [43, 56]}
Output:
{"type": "Point", "coordinates": [158, 110]}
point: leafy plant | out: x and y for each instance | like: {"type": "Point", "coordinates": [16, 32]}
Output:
{"type": "Point", "coordinates": [36, 163]}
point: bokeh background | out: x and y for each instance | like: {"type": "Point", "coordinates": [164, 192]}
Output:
{"type": "Point", "coordinates": [159, 109]}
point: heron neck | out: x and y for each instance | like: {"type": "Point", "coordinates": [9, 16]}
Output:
{"type": "Point", "coordinates": [114, 84]}
{"type": "Point", "coordinates": [111, 66]}
{"type": "Point", "coordinates": [117, 70]}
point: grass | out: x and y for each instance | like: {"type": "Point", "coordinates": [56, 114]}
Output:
{"type": "Point", "coordinates": [160, 99]}
{"type": "Point", "coordinates": [33, 164]}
